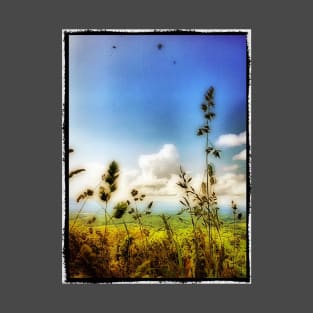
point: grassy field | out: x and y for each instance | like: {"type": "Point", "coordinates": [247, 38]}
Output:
{"type": "Point", "coordinates": [159, 246]}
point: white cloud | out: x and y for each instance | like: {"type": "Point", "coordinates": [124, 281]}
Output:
{"type": "Point", "coordinates": [156, 176]}
{"type": "Point", "coordinates": [161, 164]}
{"type": "Point", "coordinates": [231, 140]}
{"type": "Point", "coordinates": [158, 172]}
{"type": "Point", "coordinates": [230, 168]}
{"type": "Point", "coordinates": [241, 156]}
{"type": "Point", "coordinates": [230, 187]}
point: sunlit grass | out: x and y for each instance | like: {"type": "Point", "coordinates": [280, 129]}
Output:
{"type": "Point", "coordinates": [99, 251]}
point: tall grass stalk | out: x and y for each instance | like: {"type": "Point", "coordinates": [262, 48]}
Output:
{"type": "Point", "coordinates": [170, 236]}
{"type": "Point", "coordinates": [204, 205]}
{"type": "Point", "coordinates": [119, 213]}
{"type": "Point", "coordinates": [234, 207]}
{"type": "Point", "coordinates": [137, 216]}
{"type": "Point", "coordinates": [84, 196]}
{"type": "Point", "coordinates": [107, 187]}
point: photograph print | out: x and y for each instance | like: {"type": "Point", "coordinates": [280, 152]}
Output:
{"type": "Point", "coordinates": [156, 156]}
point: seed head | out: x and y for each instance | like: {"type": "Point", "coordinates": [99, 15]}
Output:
{"type": "Point", "coordinates": [120, 209]}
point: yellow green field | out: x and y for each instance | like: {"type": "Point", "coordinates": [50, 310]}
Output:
{"type": "Point", "coordinates": [159, 247]}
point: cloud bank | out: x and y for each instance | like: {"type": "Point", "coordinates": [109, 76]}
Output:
{"type": "Point", "coordinates": [161, 164]}
{"type": "Point", "coordinates": [231, 140]}
{"type": "Point", "coordinates": [230, 187]}
{"type": "Point", "coordinates": [157, 177]}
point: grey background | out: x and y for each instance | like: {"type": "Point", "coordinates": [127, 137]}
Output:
{"type": "Point", "coordinates": [31, 97]}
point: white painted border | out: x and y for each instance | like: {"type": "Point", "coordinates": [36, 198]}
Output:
{"type": "Point", "coordinates": [249, 35]}
{"type": "Point", "coordinates": [216, 30]}
{"type": "Point", "coordinates": [250, 152]}
{"type": "Point", "coordinates": [63, 156]}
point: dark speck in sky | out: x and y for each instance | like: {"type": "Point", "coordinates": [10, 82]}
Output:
{"type": "Point", "coordinates": [160, 46]}
{"type": "Point", "coordinates": [114, 47]}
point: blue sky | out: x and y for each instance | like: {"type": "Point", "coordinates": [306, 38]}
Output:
{"type": "Point", "coordinates": [128, 100]}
